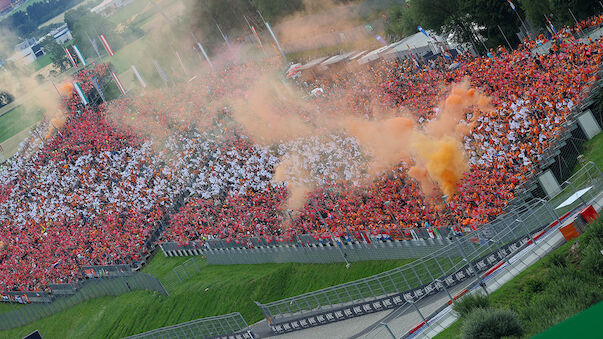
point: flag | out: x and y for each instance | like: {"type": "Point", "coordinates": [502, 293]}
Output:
{"type": "Point", "coordinates": [79, 55]}
{"type": "Point", "coordinates": [98, 88]}
{"type": "Point", "coordinates": [205, 54]}
{"type": "Point", "coordinates": [142, 83]}
{"type": "Point", "coordinates": [381, 40]}
{"type": "Point", "coordinates": [160, 71]}
{"type": "Point", "coordinates": [511, 4]}
{"type": "Point", "coordinates": [413, 57]}
{"type": "Point", "coordinates": [70, 57]}
{"type": "Point", "coordinates": [82, 95]}
{"type": "Point", "coordinates": [423, 31]}
{"type": "Point", "coordinates": [95, 46]}
{"type": "Point", "coordinates": [121, 88]}
{"type": "Point", "coordinates": [550, 24]}
{"type": "Point", "coordinates": [257, 36]}
{"type": "Point", "coordinates": [105, 43]}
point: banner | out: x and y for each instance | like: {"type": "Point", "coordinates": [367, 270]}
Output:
{"type": "Point", "coordinates": [70, 57]}
{"type": "Point", "coordinates": [139, 77]}
{"type": "Point", "coordinates": [81, 93]}
{"type": "Point", "coordinates": [105, 43]}
{"type": "Point", "coordinates": [79, 55]}
{"type": "Point", "coordinates": [98, 88]}
{"type": "Point", "coordinates": [121, 88]}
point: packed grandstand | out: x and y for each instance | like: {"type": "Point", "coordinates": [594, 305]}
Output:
{"type": "Point", "coordinates": [113, 174]}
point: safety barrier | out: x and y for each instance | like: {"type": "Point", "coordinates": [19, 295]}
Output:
{"type": "Point", "coordinates": [88, 289]}
{"type": "Point", "coordinates": [458, 263]}
{"type": "Point", "coordinates": [224, 326]}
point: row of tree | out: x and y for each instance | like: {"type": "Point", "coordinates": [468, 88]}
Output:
{"type": "Point", "coordinates": [24, 23]}
{"type": "Point", "coordinates": [467, 20]}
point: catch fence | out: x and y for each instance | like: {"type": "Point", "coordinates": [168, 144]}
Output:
{"type": "Point", "coordinates": [224, 326]}
{"type": "Point", "coordinates": [69, 295]}
{"type": "Point", "coordinates": [450, 269]}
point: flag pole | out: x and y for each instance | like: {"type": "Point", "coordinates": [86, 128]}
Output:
{"type": "Point", "coordinates": [503, 33]}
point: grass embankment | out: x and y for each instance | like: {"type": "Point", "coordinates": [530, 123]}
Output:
{"type": "Point", "coordinates": [16, 120]}
{"type": "Point", "coordinates": [229, 289]}
{"type": "Point", "coordinates": [592, 150]}
{"type": "Point", "coordinates": [563, 284]}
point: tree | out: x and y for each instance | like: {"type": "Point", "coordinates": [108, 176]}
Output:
{"type": "Point", "coordinates": [275, 10]}
{"type": "Point", "coordinates": [400, 22]}
{"type": "Point", "coordinates": [56, 52]}
{"type": "Point", "coordinates": [5, 98]}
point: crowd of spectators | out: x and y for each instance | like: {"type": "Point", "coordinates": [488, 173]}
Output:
{"type": "Point", "coordinates": [93, 192]}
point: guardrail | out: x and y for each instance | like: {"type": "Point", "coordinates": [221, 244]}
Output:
{"type": "Point", "coordinates": [452, 266]}
{"type": "Point", "coordinates": [89, 289]}
{"type": "Point", "coordinates": [224, 326]}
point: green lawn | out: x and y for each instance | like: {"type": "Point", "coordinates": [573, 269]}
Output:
{"type": "Point", "coordinates": [42, 62]}
{"type": "Point", "coordinates": [16, 120]}
{"type": "Point", "coordinates": [126, 13]}
{"type": "Point", "coordinates": [593, 150]}
{"type": "Point", "coordinates": [564, 283]}
{"type": "Point", "coordinates": [229, 289]}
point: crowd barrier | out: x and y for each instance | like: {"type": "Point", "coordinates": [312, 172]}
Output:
{"type": "Point", "coordinates": [224, 326]}
{"type": "Point", "coordinates": [71, 295]}
{"type": "Point", "coordinates": [459, 263]}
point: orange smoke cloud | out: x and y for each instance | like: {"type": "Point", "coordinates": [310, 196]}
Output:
{"type": "Point", "coordinates": [268, 112]}
{"type": "Point", "coordinates": [291, 171]}
{"type": "Point", "coordinates": [385, 140]}
{"type": "Point", "coordinates": [442, 159]}
{"type": "Point", "coordinates": [66, 89]}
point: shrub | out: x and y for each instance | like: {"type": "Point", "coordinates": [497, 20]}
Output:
{"type": "Point", "coordinates": [556, 259]}
{"type": "Point", "coordinates": [592, 259]}
{"type": "Point", "coordinates": [487, 323]}
{"type": "Point", "coordinates": [470, 302]}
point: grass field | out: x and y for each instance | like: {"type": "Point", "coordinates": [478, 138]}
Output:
{"type": "Point", "coordinates": [215, 290]}
{"type": "Point", "coordinates": [16, 121]}
{"type": "Point", "coordinates": [552, 290]}
{"type": "Point", "coordinates": [592, 150]}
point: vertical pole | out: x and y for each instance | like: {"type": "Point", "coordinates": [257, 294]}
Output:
{"type": "Point", "coordinates": [389, 330]}
{"type": "Point", "coordinates": [503, 33]}
{"type": "Point", "coordinates": [331, 233]}
{"type": "Point", "coordinates": [573, 16]}
{"type": "Point", "coordinates": [575, 192]}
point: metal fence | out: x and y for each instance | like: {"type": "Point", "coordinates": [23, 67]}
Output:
{"type": "Point", "coordinates": [451, 268]}
{"type": "Point", "coordinates": [89, 289]}
{"type": "Point", "coordinates": [224, 326]}
{"type": "Point", "coordinates": [584, 187]}
{"type": "Point", "coordinates": [181, 273]}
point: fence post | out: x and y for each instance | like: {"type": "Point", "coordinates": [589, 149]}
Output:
{"type": "Point", "coordinates": [177, 275]}
{"type": "Point", "coordinates": [440, 282]}
{"type": "Point", "coordinates": [389, 330]}
{"type": "Point", "coordinates": [417, 309]}
{"type": "Point", "coordinates": [575, 192]}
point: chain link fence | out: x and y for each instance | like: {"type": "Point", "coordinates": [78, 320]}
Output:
{"type": "Point", "coordinates": [224, 326]}
{"type": "Point", "coordinates": [86, 290]}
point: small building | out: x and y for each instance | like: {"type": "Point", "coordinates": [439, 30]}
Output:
{"type": "Point", "coordinates": [29, 50]}
{"type": "Point", "coordinates": [61, 34]}
{"type": "Point", "coordinates": [107, 7]}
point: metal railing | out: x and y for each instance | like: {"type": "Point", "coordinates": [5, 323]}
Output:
{"type": "Point", "coordinates": [230, 325]}
{"type": "Point", "coordinates": [540, 211]}
{"type": "Point", "coordinates": [446, 269]}
{"type": "Point", "coordinates": [89, 289]}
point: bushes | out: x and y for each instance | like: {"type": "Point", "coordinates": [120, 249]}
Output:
{"type": "Point", "coordinates": [471, 302]}
{"type": "Point", "coordinates": [486, 323]}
